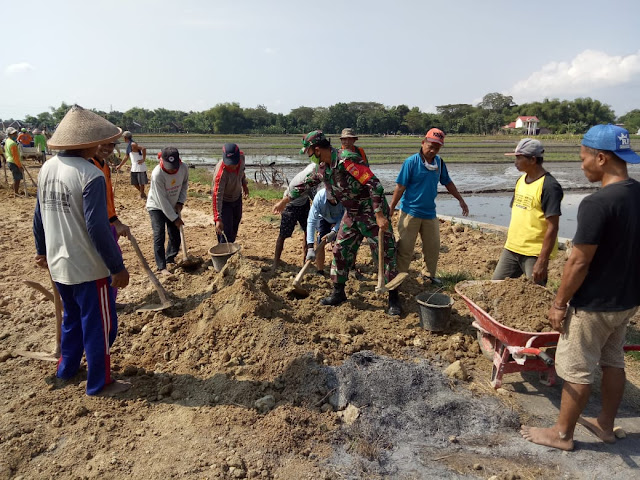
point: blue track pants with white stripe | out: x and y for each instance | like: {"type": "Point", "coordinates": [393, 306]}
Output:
{"type": "Point", "coordinates": [89, 325]}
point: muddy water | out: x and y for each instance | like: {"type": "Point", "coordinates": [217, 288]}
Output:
{"type": "Point", "coordinates": [486, 187]}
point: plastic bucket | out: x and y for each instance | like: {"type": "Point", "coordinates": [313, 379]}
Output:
{"type": "Point", "coordinates": [221, 253]}
{"type": "Point", "coordinates": [435, 310]}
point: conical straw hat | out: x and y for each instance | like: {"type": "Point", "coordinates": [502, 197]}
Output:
{"type": "Point", "coordinates": [82, 128]}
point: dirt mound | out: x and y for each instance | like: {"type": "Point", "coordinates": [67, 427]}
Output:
{"type": "Point", "coordinates": [515, 302]}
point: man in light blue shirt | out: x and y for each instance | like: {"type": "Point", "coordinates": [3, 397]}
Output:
{"type": "Point", "coordinates": [324, 217]}
{"type": "Point", "coordinates": [416, 191]}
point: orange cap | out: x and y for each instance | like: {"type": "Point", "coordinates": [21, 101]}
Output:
{"type": "Point", "coordinates": [435, 135]}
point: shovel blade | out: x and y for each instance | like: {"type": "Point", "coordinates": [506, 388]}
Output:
{"type": "Point", "coordinates": [44, 356]}
{"type": "Point", "coordinates": [153, 308]}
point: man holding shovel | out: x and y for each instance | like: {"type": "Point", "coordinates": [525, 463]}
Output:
{"type": "Point", "coordinates": [229, 188]}
{"type": "Point", "coordinates": [168, 192]}
{"type": "Point", "coordinates": [599, 292]}
{"type": "Point", "coordinates": [73, 240]}
{"type": "Point", "coordinates": [296, 212]}
{"type": "Point", "coordinates": [13, 159]}
{"type": "Point", "coordinates": [324, 217]}
{"type": "Point", "coordinates": [348, 180]}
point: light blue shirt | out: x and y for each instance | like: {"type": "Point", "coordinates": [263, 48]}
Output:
{"type": "Point", "coordinates": [419, 198]}
{"type": "Point", "coordinates": [320, 208]}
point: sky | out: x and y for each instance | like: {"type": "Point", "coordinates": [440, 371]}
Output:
{"type": "Point", "coordinates": [193, 54]}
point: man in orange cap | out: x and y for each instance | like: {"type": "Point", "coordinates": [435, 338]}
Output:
{"type": "Point", "coordinates": [416, 191]}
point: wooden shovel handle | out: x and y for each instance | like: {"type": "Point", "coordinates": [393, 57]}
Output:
{"type": "Point", "coordinates": [380, 259]}
{"type": "Point", "coordinates": [154, 280]}
{"type": "Point", "coordinates": [183, 243]}
{"type": "Point", "coordinates": [57, 302]}
{"type": "Point", "coordinates": [308, 263]}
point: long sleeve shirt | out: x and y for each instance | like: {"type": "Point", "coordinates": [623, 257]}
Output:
{"type": "Point", "coordinates": [348, 180]}
{"type": "Point", "coordinates": [167, 190]}
{"type": "Point", "coordinates": [70, 223]}
{"type": "Point", "coordinates": [227, 186]}
{"type": "Point", "coordinates": [106, 171]}
{"type": "Point", "coordinates": [322, 209]}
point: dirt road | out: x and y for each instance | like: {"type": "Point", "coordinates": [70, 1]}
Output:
{"type": "Point", "coordinates": [240, 379]}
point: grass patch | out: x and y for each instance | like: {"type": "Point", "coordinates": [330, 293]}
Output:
{"type": "Point", "coordinates": [450, 279]}
{"type": "Point", "coordinates": [203, 176]}
{"type": "Point", "coordinates": [259, 190]}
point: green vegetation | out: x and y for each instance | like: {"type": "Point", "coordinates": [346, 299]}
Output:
{"type": "Point", "coordinates": [487, 117]}
{"type": "Point", "coordinates": [450, 279]}
{"type": "Point", "coordinates": [259, 190]}
{"type": "Point", "coordinates": [201, 175]}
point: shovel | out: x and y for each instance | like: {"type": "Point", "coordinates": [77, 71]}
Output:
{"type": "Point", "coordinates": [398, 279]}
{"type": "Point", "coordinates": [162, 293]}
{"type": "Point", "coordinates": [188, 263]}
{"type": "Point", "coordinates": [297, 289]}
{"type": "Point", "coordinates": [30, 177]}
{"type": "Point", "coordinates": [57, 301]}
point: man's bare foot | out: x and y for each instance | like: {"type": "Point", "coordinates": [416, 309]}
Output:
{"type": "Point", "coordinates": [549, 437]}
{"type": "Point", "coordinates": [594, 427]}
{"type": "Point", "coordinates": [118, 386]}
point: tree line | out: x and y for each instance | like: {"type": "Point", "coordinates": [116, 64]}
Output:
{"type": "Point", "coordinates": [487, 117]}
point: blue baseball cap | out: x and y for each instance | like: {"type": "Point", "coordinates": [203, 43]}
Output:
{"type": "Point", "coordinates": [612, 138]}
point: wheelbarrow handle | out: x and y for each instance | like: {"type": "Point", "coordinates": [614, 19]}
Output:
{"type": "Point", "coordinates": [546, 358]}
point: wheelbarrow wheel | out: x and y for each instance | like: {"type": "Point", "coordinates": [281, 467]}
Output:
{"type": "Point", "coordinates": [487, 344]}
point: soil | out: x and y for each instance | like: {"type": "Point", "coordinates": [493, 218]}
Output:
{"type": "Point", "coordinates": [240, 378]}
{"type": "Point", "coordinates": [515, 302]}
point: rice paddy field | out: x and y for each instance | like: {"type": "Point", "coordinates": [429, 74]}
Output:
{"type": "Point", "coordinates": [380, 149]}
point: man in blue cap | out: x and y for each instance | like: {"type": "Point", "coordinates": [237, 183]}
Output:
{"type": "Point", "coordinates": [599, 292]}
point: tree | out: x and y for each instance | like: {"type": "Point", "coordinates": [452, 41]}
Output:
{"type": "Point", "coordinates": [496, 102]}
{"type": "Point", "coordinates": [631, 120]}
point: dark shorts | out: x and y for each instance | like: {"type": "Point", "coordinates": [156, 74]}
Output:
{"type": "Point", "coordinates": [324, 228]}
{"type": "Point", "coordinates": [15, 171]}
{"type": "Point", "coordinates": [139, 178]}
{"type": "Point", "coordinates": [291, 216]}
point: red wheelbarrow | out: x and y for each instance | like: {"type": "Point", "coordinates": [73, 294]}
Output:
{"type": "Point", "coordinates": [513, 350]}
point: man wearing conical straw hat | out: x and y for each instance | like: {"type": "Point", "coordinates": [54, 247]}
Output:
{"type": "Point", "coordinates": [73, 239]}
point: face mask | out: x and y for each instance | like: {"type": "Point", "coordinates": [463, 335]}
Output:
{"type": "Point", "coordinates": [314, 159]}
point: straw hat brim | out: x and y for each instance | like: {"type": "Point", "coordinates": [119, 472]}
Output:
{"type": "Point", "coordinates": [82, 128]}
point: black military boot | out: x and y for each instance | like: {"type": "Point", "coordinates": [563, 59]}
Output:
{"type": "Point", "coordinates": [394, 303]}
{"type": "Point", "coordinates": [337, 295]}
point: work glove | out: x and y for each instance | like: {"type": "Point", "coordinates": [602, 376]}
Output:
{"type": "Point", "coordinates": [330, 237]}
{"type": "Point", "coordinates": [311, 254]}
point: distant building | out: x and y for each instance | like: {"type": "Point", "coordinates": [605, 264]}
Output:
{"type": "Point", "coordinates": [527, 123]}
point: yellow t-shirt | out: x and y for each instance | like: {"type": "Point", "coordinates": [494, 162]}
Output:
{"type": "Point", "coordinates": [528, 225]}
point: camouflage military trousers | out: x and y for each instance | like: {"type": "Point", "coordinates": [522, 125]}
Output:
{"type": "Point", "coordinates": [353, 230]}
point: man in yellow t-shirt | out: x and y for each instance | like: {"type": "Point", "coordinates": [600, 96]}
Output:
{"type": "Point", "coordinates": [535, 213]}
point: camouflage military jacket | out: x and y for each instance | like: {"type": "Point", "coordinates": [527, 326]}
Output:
{"type": "Point", "coordinates": [350, 181]}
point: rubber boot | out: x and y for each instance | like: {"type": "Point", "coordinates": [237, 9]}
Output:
{"type": "Point", "coordinates": [336, 297]}
{"type": "Point", "coordinates": [394, 303]}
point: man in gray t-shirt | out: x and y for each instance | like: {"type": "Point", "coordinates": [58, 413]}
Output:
{"type": "Point", "coordinates": [296, 212]}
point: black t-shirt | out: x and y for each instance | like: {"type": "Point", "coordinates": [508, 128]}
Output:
{"type": "Point", "coordinates": [610, 219]}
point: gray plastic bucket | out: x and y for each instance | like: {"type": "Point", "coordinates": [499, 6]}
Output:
{"type": "Point", "coordinates": [435, 310]}
{"type": "Point", "coordinates": [221, 253]}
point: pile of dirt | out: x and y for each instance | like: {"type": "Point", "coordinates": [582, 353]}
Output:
{"type": "Point", "coordinates": [515, 302]}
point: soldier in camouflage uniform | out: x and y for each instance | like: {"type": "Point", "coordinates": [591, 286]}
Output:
{"type": "Point", "coordinates": [348, 180]}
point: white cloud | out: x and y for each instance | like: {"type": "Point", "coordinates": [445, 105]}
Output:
{"type": "Point", "coordinates": [588, 71]}
{"type": "Point", "coordinates": [270, 51]}
{"type": "Point", "coordinates": [18, 68]}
